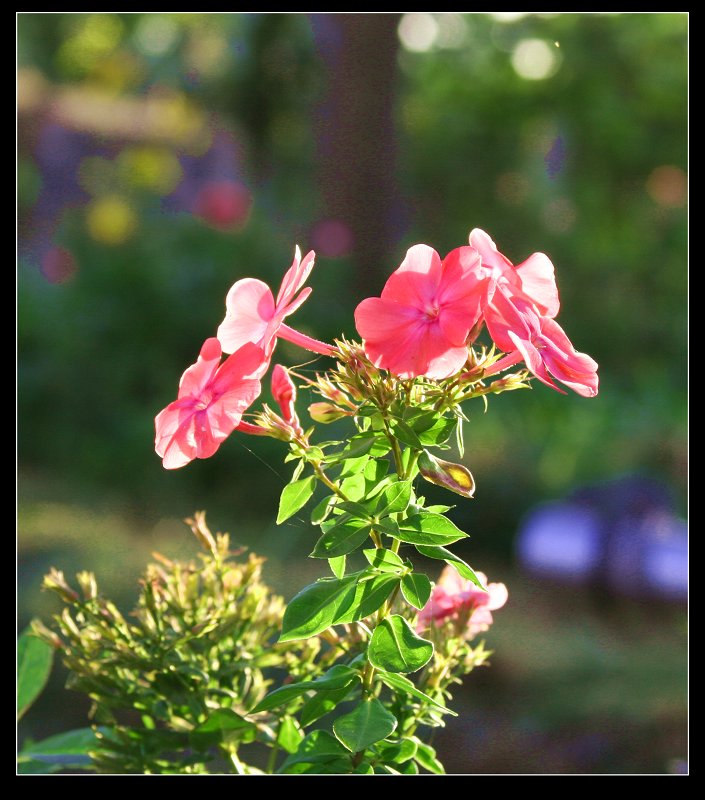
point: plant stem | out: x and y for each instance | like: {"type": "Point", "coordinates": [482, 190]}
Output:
{"type": "Point", "coordinates": [271, 762]}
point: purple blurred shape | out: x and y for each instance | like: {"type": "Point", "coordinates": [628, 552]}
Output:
{"type": "Point", "coordinates": [622, 534]}
{"type": "Point", "coordinates": [555, 158]}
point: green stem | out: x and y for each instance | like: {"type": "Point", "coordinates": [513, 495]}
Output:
{"type": "Point", "coordinates": [239, 769]}
{"type": "Point", "coordinates": [271, 762]}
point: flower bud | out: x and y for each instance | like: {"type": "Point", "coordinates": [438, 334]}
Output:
{"type": "Point", "coordinates": [326, 412]}
{"type": "Point", "coordinates": [455, 477]}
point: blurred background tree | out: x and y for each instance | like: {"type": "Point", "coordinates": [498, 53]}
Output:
{"type": "Point", "coordinates": [163, 156]}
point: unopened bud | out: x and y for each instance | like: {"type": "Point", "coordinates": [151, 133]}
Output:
{"type": "Point", "coordinates": [455, 477]}
{"type": "Point", "coordinates": [57, 583]}
{"type": "Point", "coordinates": [326, 412]}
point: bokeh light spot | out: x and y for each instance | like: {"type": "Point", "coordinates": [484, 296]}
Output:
{"type": "Point", "coordinates": [418, 32]}
{"type": "Point", "coordinates": [110, 220]}
{"type": "Point", "coordinates": [332, 238]}
{"type": "Point", "coordinates": [224, 204]}
{"type": "Point", "coordinates": [512, 188]}
{"type": "Point", "coordinates": [58, 265]}
{"type": "Point", "coordinates": [535, 60]}
{"type": "Point", "coordinates": [156, 35]}
{"type": "Point", "coordinates": [560, 215]}
{"type": "Point", "coordinates": [668, 186]}
{"type": "Point", "coordinates": [155, 169]}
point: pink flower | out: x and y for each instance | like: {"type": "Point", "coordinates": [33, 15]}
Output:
{"type": "Point", "coordinates": [544, 347]}
{"type": "Point", "coordinates": [532, 280]}
{"type": "Point", "coordinates": [455, 598]}
{"type": "Point", "coordinates": [253, 315]}
{"type": "Point", "coordinates": [212, 398]}
{"type": "Point", "coordinates": [421, 323]}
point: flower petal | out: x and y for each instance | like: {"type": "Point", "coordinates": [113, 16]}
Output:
{"type": "Point", "coordinates": [538, 283]}
{"type": "Point", "coordinates": [197, 375]}
{"type": "Point", "coordinates": [295, 277]}
{"type": "Point", "coordinates": [250, 307]}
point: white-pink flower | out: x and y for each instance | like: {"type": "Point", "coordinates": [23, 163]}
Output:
{"type": "Point", "coordinates": [455, 598]}
{"type": "Point", "coordinates": [253, 315]}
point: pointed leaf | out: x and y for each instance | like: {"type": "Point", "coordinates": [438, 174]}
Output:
{"type": "Point", "coordinates": [368, 723]}
{"type": "Point", "coordinates": [400, 683]}
{"type": "Point", "coordinates": [65, 750]}
{"type": "Point", "coordinates": [314, 608]}
{"type": "Point", "coordinates": [405, 434]}
{"type": "Point", "coordinates": [289, 735]}
{"type": "Point", "coordinates": [318, 752]}
{"type": "Point", "coordinates": [427, 528]}
{"type": "Point", "coordinates": [337, 566]}
{"type": "Point", "coordinates": [34, 659]}
{"type": "Point", "coordinates": [294, 497]}
{"type": "Point", "coordinates": [416, 588]}
{"type": "Point", "coordinates": [463, 569]}
{"type": "Point", "coordinates": [426, 757]}
{"type": "Point", "coordinates": [353, 487]}
{"type": "Point", "coordinates": [337, 677]}
{"type": "Point", "coordinates": [395, 647]}
{"type": "Point", "coordinates": [394, 499]}
{"type": "Point", "coordinates": [322, 510]}
{"type": "Point", "coordinates": [369, 596]}
{"type": "Point", "coordinates": [345, 535]}
{"type": "Point", "coordinates": [323, 702]}
{"type": "Point", "coordinates": [384, 560]}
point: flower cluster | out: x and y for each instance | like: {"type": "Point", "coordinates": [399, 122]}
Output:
{"type": "Point", "coordinates": [429, 310]}
{"type": "Point", "coordinates": [212, 395]}
{"type": "Point", "coordinates": [423, 324]}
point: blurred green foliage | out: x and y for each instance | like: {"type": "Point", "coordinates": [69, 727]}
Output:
{"type": "Point", "coordinates": [101, 353]}
{"type": "Point", "coordinates": [586, 164]}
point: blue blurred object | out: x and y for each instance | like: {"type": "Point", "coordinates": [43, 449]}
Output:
{"type": "Point", "coordinates": [622, 534]}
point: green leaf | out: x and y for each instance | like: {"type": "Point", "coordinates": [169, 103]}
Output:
{"type": "Point", "coordinates": [34, 658]}
{"type": "Point", "coordinates": [318, 749]}
{"type": "Point", "coordinates": [289, 735]}
{"type": "Point", "coordinates": [315, 608]}
{"type": "Point", "coordinates": [353, 487]}
{"type": "Point", "coordinates": [427, 528]}
{"type": "Point", "coordinates": [426, 757]}
{"type": "Point", "coordinates": [351, 466]}
{"type": "Point", "coordinates": [364, 725]}
{"type": "Point", "coordinates": [359, 445]}
{"type": "Point", "coordinates": [384, 560]}
{"type": "Point", "coordinates": [223, 724]}
{"type": "Point", "coordinates": [322, 703]}
{"type": "Point", "coordinates": [223, 719]}
{"type": "Point", "coordinates": [294, 497]}
{"type": "Point", "coordinates": [337, 566]}
{"type": "Point", "coordinates": [343, 536]}
{"type": "Point", "coordinates": [405, 434]}
{"type": "Point", "coordinates": [369, 596]}
{"type": "Point", "coordinates": [374, 471]}
{"type": "Point", "coordinates": [322, 510]}
{"type": "Point", "coordinates": [438, 433]}
{"type": "Point", "coordinates": [63, 751]}
{"type": "Point", "coordinates": [397, 752]}
{"type": "Point", "coordinates": [401, 683]}
{"type": "Point", "coordinates": [337, 677]}
{"type": "Point", "coordinates": [394, 499]}
{"type": "Point", "coordinates": [463, 569]}
{"type": "Point", "coordinates": [416, 588]}
{"type": "Point", "coordinates": [395, 647]}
